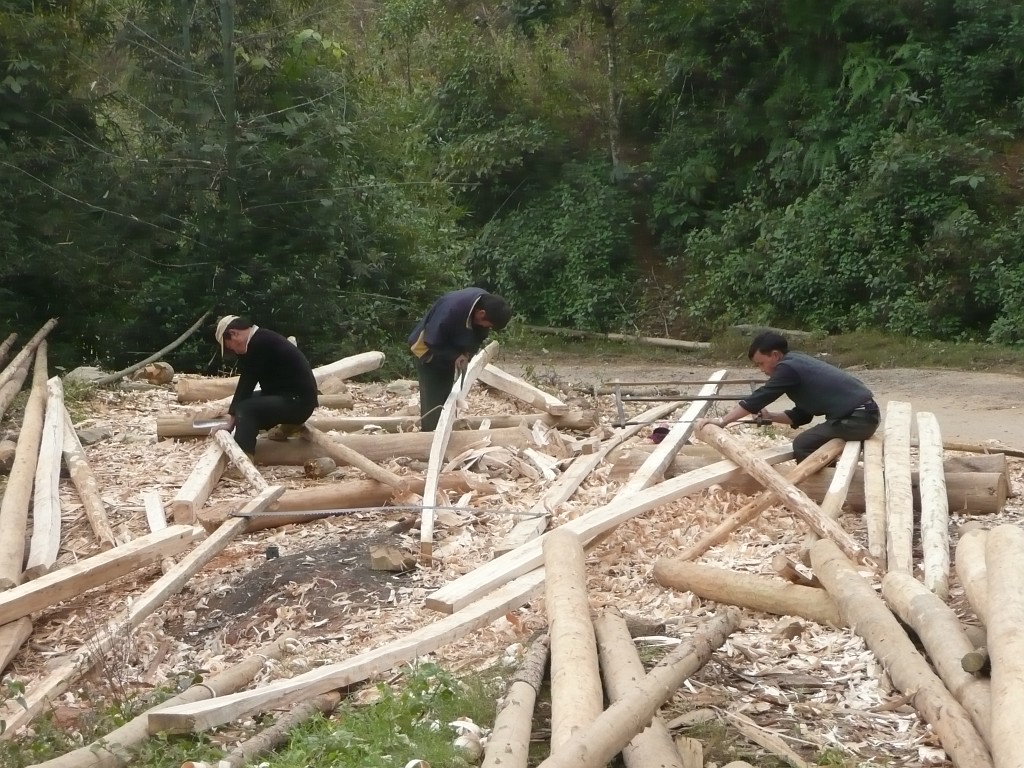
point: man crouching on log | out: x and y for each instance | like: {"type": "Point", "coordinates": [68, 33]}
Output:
{"type": "Point", "coordinates": [288, 391]}
{"type": "Point", "coordinates": [816, 388]}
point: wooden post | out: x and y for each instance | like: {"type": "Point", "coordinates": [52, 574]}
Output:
{"type": "Point", "coordinates": [5, 348]}
{"type": "Point", "coordinates": [753, 508]}
{"type": "Point", "coordinates": [576, 695]}
{"type": "Point", "coordinates": [899, 496]}
{"type": "Point", "coordinates": [155, 515]}
{"type": "Point", "coordinates": [344, 455]}
{"type": "Point", "coordinates": [874, 498]}
{"type": "Point", "coordinates": [115, 750]}
{"type": "Point", "coordinates": [439, 444]}
{"type": "Point", "coordinates": [12, 637]}
{"type": "Point", "coordinates": [563, 489]}
{"type": "Point", "coordinates": [1004, 560]}
{"type": "Point", "coordinates": [746, 590]}
{"type": "Point", "coordinates": [865, 612]}
{"type": "Point", "coordinates": [495, 377]}
{"type": "Point", "coordinates": [44, 691]}
{"type": "Point", "coordinates": [112, 377]}
{"type": "Point", "coordinates": [934, 505]}
{"type": "Point", "coordinates": [464, 590]}
{"type": "Point", "coordinates": [789, 494]}
{"type": "Point", "coordinates": [25, 353]}
{"type": "Point", "coordinates": [85, 483]}
{"type": "Point", "coordinates": [202, 716]}
{"type": "Point", "coordinates": [613, 729]}
{"type": "Point", "coordinates": [508, 746]}
{"type": "Point", "coordinates": [242, 462]}
{"type": "Point", "coordinates": [621, 670]}
{"type": "Point", "coordinates": [15, 503]}
{"type": "Point", "coordinates": [199, 484]}
{"type": "Point", "coordinates": [944, 639]}
{"type": "Point", "coordinates": [72, 580]}
{"type": "Point", "coordinates": [972, 572]}
{"type": "Point", "coordinates": [45, 543]}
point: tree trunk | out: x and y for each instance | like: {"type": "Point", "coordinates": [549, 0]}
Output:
{"type": "Point", "coordinates": [899, 496]}
{"type": "Point", "coordinates": [46, 514]}
{"type": "Point", "coordinates": [5, 348]}
{"type": "Point", "coordinates": [18, 494]}
{"type": "Point", "coordinates": [85, 484]}
{"type": "Point", "coordinates": [1004, 560]}
{"type": "Point", "coordinates": [342, 454]}
{"type": "Point", "coordinates": [874, 497]}
{"type": "Point", "coordinates": [242, 462]}
{"type": "Point", "coordinates": [839, 488]}
{"type": "Point", "coordinates": [621, 670]}
{"type": "Point", "coordinates": [865, 612]}
{"type": "Point", "coordinates": [934, 506]}
{"type": "Point", "coordinates": [576, 695]}
{"type": "Point", "coordinates": [508, 746]}
{"type": "Point", "coordinates": [972, 572]}
{"type": "Point", "coordinates": [944, 639]}
{"type": "Point", "coordinates": [746, 590]}
{"type": "Point", "coordinates": [111, 378]}
{"type": "Point", "coordinates": [656, 342]}
{"type": "Point", "coordinates": [624, 719]}
{"type": "Point", "coordinates": [25, 353]}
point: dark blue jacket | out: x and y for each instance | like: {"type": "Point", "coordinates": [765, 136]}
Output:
{"type": "Point", "coordinates": [447, 330]}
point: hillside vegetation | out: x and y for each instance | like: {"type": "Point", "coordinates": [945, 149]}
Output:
{"type": "Point", "coordinates": [672, 165]}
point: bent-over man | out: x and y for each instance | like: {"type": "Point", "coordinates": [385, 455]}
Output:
{"type": "Point", "coordinates": [443, 341]}
{"type": "Point", "coordinates": [816, 388]}
{"type": "Point", "coordinates": [288, 392]}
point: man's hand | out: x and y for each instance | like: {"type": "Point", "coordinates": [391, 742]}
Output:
{"type": "Point", "coordinates": [461, 362]}
{"type": "Point", "coordinates": [701, 423]}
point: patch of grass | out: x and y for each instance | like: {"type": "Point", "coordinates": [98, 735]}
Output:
{"type": "Point", "coordinates": [78, 397]}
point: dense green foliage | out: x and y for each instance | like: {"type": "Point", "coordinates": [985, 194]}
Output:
{"type": "Point", "coordinates": [329, 170]}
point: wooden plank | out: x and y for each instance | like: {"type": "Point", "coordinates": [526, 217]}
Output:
{"type": "Point", "coordinates": [899, 493]}
{"type": "Point", "coordinates": [934, 505]}
{"type": "Point", "coordinates": [495, 377]}
{"type": "Point", "coordinates": [874, 497]}
{"type": "Point", "coordinates": [205, 715]}
{"type": "Point", "coordinates": [572, 478]}
{"type": "Point", "coordinates": [85, 484]}
{"type": "Point", "coordinates": [439, 444]}
{"type": "Point", "coordinates": [653, 468]}
{"type": "Point", "coordinates": [45, 544]}
{"type": "Point", "coordinates": [839, 487]}
{"type": "Point", "coordinates": [459, 593]}
{"type": "Point", "coordinates": [242, 462]}
{"type": "Point", "coordinates": [18, 493]}
{"type": "Point", "coordinates": [345, 455]}
{"type": "Point", "coordinates": [155, 515]}
{"type": "Point", "coordinates": [72, 580]}
{"type": "Point", "coordinates": [39, 695]}
{"type": "Point", "coordinates": [199, 484]}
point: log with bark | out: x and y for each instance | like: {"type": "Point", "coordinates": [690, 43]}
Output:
{"type": "Point", "coordinates": [746, 590]}
{"type": "Point", "coordinates": [939, 629]}
{"type": "Point", "coordinates": [117, 748]}
{"type": "Point", "coordinates": [241, 462]}
{"type": "Point", "coordinates": [21, 360]}
{"type": "Point", "coordinates": [17, 496]}
{"type": "Point", "coordinates": [864, 611]}
{"type": "Point", "coordinates": [342, 454]}
{"type": "Point", "coordinates": [652, 341]}
{"type": "Point", "coordinates": [5, 347]}
{"type": "Point", "coordinates": [84, 480]}
{"type": "Point", "coordinates": [594, 746]}
{"type": "Point", "coordinates": [621, 670]}
{"type": "Point", "coordinates": [193, 390]}
{"type": "Point", "coordinates": [1004, 561]}
{"type": "Point", "coordinates": [576, 695]}
{"type": "Point", "coordinates": [174, 425]}
{"type": "Point", "coordinates": [508, 746]}
{"type": "Point", "coordinates": [111, 378]}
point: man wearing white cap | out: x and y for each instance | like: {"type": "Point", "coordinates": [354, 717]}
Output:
{"type": "Point", "coordinates": [287, 393]}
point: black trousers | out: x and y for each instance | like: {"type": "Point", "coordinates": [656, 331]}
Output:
{"type": "Point", "coordinates": [265, 411]}
{"type": "Point", "coordinates": [436, 381]}
{"type": "Point", "coordinates": [860, 425]}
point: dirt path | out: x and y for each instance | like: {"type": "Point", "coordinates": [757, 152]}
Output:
{"type": "Point", "coordinates": [972, 407]}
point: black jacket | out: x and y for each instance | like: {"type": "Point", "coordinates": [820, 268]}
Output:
{"type": "Point", "coordinates": [277, 366]}
{"type": "Point", "coordinates": [447, 330]}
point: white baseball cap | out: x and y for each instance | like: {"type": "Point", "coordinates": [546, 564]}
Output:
{"type": "Point", "coordinates": [222, 326]}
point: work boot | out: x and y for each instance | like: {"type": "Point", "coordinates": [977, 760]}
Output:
{"type": "Point", "coordinates": [283, 431]}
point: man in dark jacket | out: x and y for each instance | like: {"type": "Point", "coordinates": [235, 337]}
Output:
{"type": "Point", "coordinates": [288, 392]}
{"type": "Point", "coordinates": [816, 389]}
{"type": "Point", "coordinates": [451, 332]}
